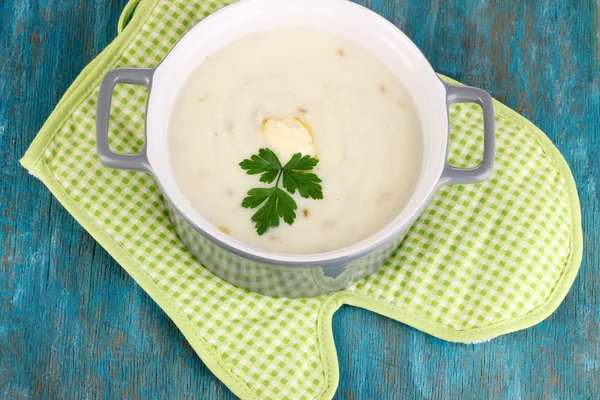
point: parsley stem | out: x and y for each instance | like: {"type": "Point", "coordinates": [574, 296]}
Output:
{"type": "Point", "coordinates": [278, 177]}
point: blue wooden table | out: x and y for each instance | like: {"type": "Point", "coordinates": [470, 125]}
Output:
{"type": "Point", "coordinates": [73, 324]}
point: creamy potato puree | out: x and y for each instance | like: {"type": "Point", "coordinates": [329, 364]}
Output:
{"type": "Point", "coordinates": [269, 90]}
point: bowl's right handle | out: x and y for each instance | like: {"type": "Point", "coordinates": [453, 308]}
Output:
{"type": "Point", "coordinates": [136, 76]}
{"type": "Point", "coordinates": [466, 94]}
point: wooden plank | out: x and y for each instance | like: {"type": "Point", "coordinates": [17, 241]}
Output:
{"type": "Point", "coordinates": [74, 325]}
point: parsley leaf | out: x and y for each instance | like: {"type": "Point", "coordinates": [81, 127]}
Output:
{"type": "Point", "coordinates": [256, 197]}
{"type": "Point", "coordinates": [286, 206]}
{"type": "Point", "coordinates": [304, 163]}
{"type": "Point", "coordinates": [274, 202]}
{"type": "Point", "coordinates": [294, 177]}
{"type": "Point", "coordinates": [265, 163]}
{"type": "Point", "coordinates": [267, 216]}
{"type": "Point", "coordinates": [279, 204]}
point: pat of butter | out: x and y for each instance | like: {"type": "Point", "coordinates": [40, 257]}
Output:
{"type": "Point", "coordinates": [288, 136]}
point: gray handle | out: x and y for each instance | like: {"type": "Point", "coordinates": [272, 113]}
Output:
{"type": "Point", "coordinates": [466, 94]}
{"type": "Point", "coordinates": [136, 76]}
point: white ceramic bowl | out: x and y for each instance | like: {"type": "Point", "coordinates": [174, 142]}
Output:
{"type": "Point", "coordinates": [285, 274]}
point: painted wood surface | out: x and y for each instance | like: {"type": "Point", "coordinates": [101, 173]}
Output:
{"type": "Point", "coordinates": [74, 325]}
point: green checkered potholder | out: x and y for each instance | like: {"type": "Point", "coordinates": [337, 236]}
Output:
{"type": "Point", "coordinates": [483, 260]}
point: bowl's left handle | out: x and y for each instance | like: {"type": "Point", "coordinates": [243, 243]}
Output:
{"type": "Point", "coordinates": [467, 94]}
{"type": "Point", "coordinates": [136, 76]}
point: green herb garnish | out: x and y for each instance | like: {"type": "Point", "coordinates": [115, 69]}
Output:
{"type": "Point", "coordinates": [276, 202]}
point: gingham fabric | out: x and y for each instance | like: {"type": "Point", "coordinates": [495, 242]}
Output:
{"type": "Point", "coordinates": [479, 255]}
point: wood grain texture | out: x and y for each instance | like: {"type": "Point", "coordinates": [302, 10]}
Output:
{"type": "Point", "coordinates": [74, 325]}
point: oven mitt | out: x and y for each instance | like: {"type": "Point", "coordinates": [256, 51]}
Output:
{"type": "Point", "coordinates": [482, 261]}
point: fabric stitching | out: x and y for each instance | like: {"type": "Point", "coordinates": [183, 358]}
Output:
{"type": "Point", "coordinates": [123, 253]}
{"type": "Point", "coordinates": [567, 267]}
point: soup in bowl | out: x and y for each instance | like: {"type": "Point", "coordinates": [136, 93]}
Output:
{"type": "Point", "coordinates": [299, 91]}
{"type": "Point", "coordinates": [294, 148]}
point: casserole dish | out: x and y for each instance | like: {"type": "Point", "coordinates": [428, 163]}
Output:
{"type": "Point", "coordinates": [278, 274]}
